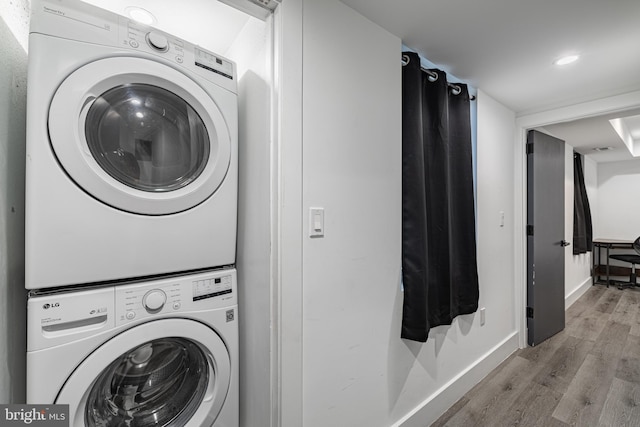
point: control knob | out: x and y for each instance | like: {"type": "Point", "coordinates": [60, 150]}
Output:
{"type": "Point", "coordinates": [158, 41]}
{"type": "Point", "coordinates": [154, 300]}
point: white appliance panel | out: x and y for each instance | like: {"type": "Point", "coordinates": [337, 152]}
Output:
{"type": "Point", "coordinates": [87, 227]}
{"type": "Point", "coordinates": [199, 311]}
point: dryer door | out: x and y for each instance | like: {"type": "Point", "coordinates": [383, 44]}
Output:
{"type": "Point", "coordinates": [139, 136]}
{"type": "Point", "coordinates": [170, 372]}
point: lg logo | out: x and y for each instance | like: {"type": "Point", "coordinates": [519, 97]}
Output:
{"type": "Point", "coordinates": [48, 306]}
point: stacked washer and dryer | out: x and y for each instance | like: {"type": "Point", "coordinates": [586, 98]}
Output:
{"type": "Point", "coordinates": [130, 222]}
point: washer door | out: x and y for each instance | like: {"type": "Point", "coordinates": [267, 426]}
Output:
{"type": "Point", "coordinates": [170, 372]}
{"type": "Point", "coordinates": [139, 136]}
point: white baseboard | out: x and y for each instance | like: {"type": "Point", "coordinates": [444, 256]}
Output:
{"type": "Point", "coordinates": [437, 404]}
{"type": "Point", "coordinates": [577, 293]}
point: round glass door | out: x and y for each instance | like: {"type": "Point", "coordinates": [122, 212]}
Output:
{"type": "Point", "coordinates": [168, 372]}
{"type": "Point", "coordinates": [158, 383]}
{"type": "Point", "coordinates": [141, 136]}
{"type": "Point", "coordinates": [147, 138]}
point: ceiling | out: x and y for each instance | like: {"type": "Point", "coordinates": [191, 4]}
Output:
{"type": "Point", "coordinates": [507, 49]}
{"type": "Point", "coordinates": [586, 135]}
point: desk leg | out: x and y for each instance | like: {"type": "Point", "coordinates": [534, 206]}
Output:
{"type": "Point", "coordinates": [608, 246]}
{"type": "Point", "coordinates": [596, 274]}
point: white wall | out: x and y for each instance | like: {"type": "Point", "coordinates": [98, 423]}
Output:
{"type": "Point", "coordinates": [618, 203]}
{"type": "Point", "coordinates": [356, 369]}
{"type": "Point", "coordinates": [351, 167]}
{"type": "Point", "coordinates": [14, 30]}
{"type": "Point", "coordinates": [252, 49]}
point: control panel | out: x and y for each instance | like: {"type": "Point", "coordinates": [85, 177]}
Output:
{"type": "Point", "coordinates": [213, 63]}
{"type": "Point", "coordinates": [174, 295]}
{"type": "Point", "coordinates": [140, 37]}
{"type": "Point", "coordinates": [58, 317]}
{"type": "Point", "coordinates": [211, 288]}
{"type": "Point", "coordinates": [90, 24]}
{"type": "Point", "coordinates": [133, 302]}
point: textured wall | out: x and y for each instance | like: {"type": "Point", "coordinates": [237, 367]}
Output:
{"type": "Point", "coordinates": [14, 31]}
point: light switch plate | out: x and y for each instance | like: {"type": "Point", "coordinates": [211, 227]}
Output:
{"type": "Point", "coordinates": [316, 222]}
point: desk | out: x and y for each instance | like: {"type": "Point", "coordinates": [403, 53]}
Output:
{"type": "Point", "coordinates": [607, 244]}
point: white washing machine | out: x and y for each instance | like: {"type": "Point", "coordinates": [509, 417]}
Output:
{"type": "Point", "coordinates": [155, 353]}
{"type": "Point", "coordinates": [131, 166]}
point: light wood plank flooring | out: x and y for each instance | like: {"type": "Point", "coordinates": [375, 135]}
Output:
{"type": "Point", "coordinates": [587, 375]}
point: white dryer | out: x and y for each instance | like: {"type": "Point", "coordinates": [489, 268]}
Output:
{"type": "Point", "coordinates": [155, 353]}
{"type": "Point", "coordinates": [131, 166]}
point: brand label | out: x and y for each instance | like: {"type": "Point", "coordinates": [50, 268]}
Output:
{"type": "Point", "coordinates": [47, 306]}
{"type": "Point", "coordinates": [34, 415]}
{"type": "Point", "coordinates": [54, 11]}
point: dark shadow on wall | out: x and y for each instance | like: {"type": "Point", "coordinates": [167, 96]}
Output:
{"type": "Point", "coordinates": [13, 97]}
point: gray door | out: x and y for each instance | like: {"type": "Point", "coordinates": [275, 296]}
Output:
{"type": "Point", "coordinates": [545, 236]}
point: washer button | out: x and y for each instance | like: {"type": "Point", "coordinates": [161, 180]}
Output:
{"type": "Point", "coordinates": [131, 315]}
{"type": "Point", "coordinates": [176, 305]}
{"type": "Point", "coordinates": [133, 43]}
{"type": "Point", "coordinates": [179, 59]}
{"type": "Point", "coordinates": [154, 300]}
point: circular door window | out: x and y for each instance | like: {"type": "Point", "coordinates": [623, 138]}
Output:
{"type": "Point", "coordinates": [146, 137]}
{"type": "Point", "coordinates": [169, 372]}
{"type": "Point", "coordinates": [141, 136]}
{"type": "Point", "coordinates": [158, 383]}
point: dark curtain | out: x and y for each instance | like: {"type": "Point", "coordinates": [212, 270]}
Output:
{"type": "Point", "coordinates": [582, 229]}
{"type": "Point", "coordinates": [439, 264]}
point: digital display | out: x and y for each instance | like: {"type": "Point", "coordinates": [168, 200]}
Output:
{"type": "Point", "coordinates": [211, 288]}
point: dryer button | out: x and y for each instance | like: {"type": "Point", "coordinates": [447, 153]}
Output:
{"type": "Point", "coordinates": [154, 300]}
{"type": "Point", "coordinates": [158, 41]}
{"type": "Point", "coordinates": [130, 315]}
{"type": "Point", "coordinates": [176, 305]}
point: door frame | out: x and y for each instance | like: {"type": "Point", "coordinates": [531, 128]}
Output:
{"type": "Point", "coordinates": [287, 222]}
{"type": "Point", "coordinates": [613, 104]}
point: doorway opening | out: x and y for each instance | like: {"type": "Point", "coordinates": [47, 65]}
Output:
{"type": "Point", "coordinates": [621, 105]}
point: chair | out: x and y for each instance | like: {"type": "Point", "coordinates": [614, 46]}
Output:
{"type": "Point", "coordinates": [633, 259]}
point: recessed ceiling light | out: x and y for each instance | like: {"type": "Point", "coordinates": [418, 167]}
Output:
{"type": "Point", "coordinates": [603, 148]}
{"type": "Point", "coordinates": [141, 15]}
{"type": "Point", "coordinates": [565, 60]}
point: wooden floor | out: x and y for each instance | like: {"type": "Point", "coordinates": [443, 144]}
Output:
{"type": "Point", "coordinates": [587, 375]}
